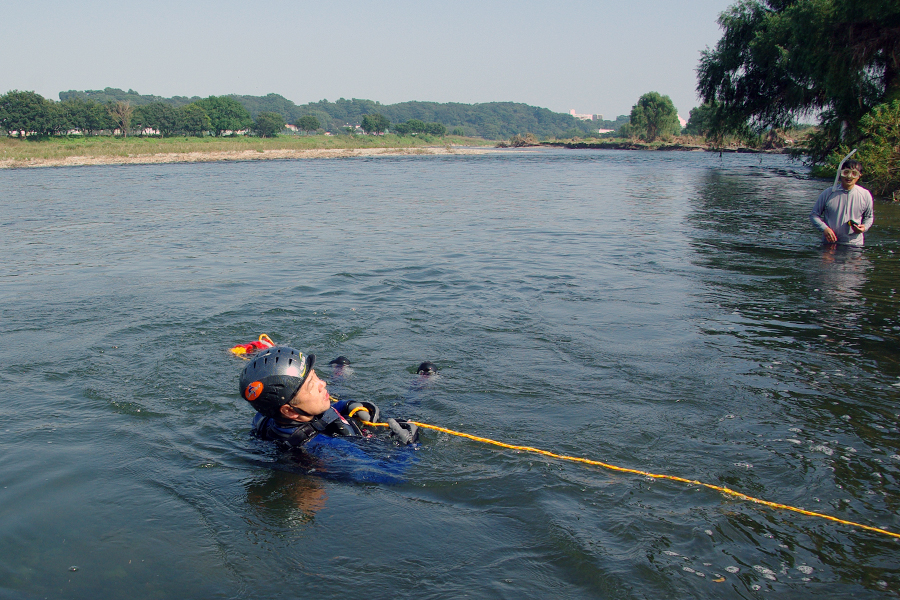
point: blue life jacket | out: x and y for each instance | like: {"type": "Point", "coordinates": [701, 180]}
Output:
{"type": "Point", "coordinates": [334, 447]}
{"type": "Point", "coordinates": [329, 423]}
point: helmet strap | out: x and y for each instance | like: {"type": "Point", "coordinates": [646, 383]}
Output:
{"type": "Point", "coordinates": [296, 409]}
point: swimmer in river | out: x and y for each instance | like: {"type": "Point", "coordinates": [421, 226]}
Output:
{"type": "Point", "coordinates": [293, 404]}
{"type": "Point", "coordinates": [426, 368]}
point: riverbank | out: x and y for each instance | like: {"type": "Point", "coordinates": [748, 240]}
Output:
{"type": "Point", "coordinates": [61, 152]}
{"type": "Point", "coordinates": [233, 155]}
{"type": "Point", "coordinates": [659, 146]}
{"type": "Point", "coordinates": [101, 150]}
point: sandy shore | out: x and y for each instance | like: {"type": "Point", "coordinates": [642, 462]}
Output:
{"type": "Point", "coordinates": [190, 157]}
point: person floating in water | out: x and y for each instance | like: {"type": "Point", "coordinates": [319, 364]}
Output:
{"type": "Point", "coordinates": [845, 213]}
{"type": "Point", "coordinates": [426, 368]}
{"type": "Point", "coordinates": [294, 407]}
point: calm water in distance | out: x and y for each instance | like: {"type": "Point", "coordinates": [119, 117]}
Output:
{"type": "Point", "coordinates": [670, 312]}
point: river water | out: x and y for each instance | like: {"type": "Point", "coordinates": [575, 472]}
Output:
{"type": "Point", "coordinates": [668, 312]}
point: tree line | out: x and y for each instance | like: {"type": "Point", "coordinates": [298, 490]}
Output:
{"type": "Point", "coordinates": [491, 120]}
{"type": "Point", "coordinates": [653, 117]}
{"type": "Point", "coordinates": [35, 115]}
{"type": "Point", "coordinates": [31, 114]}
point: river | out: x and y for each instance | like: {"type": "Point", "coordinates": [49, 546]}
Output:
{"type": "Point", "coordinates": [673, 313]}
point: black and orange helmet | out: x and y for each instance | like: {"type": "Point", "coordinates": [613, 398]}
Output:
{"type": "Point", "coordinates": [273, 376]}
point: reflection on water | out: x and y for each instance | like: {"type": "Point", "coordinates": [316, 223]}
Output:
{"type": "Point", "coordinates": [841, 278]}
{"type": "Point", "coordinates": [668, 312]}
{"type": "Point", "coordinates": [285, 498]}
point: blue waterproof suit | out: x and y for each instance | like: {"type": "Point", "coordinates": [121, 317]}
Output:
{"type": "Point", "coordinates": [334, 446]}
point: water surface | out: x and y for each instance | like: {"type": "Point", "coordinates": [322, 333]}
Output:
{"type": "Point", "coordinates": [671, 312]}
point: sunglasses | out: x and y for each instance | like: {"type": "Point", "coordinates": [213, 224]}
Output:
{"type": "Point", "coordinates": [850, 173]}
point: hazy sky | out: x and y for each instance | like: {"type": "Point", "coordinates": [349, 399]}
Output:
{"type": "Point", "coordinates": [594, 56]}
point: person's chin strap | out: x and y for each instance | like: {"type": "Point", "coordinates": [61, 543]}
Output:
{"type": "Point", "coordinates": [301, 411]}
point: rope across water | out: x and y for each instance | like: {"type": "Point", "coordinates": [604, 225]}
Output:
{"type": "Point", "coordinates": [597, 463]}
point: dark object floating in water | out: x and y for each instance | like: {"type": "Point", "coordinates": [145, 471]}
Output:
{"type": "Point", "coordinates": [340, 361]}
{"type": "Point", "coordinates": [426, 368]}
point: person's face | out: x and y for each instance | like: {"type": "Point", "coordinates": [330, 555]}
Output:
{"type": "Point", "coordinates": [849, 177]}
{"type": "Point", "coordinates": [312, 397]}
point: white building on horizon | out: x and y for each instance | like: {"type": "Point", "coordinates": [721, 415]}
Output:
{"type": "Point", "coordinates": [585, 117]}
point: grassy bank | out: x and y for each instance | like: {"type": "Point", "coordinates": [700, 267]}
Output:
{"type": "Point", "coordinates": [60, 148]}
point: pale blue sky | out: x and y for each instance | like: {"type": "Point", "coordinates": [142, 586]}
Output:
{"type": "Point", "coordinates": [594, 56]}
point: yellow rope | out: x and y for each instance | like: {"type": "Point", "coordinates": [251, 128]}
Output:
{"type": "Point", "coordinates": [597, 463]}
{"type": "Point", "coordinates": [359, 408]}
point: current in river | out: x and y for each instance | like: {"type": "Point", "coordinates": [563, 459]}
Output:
{"type": "Point", "coordinates": [673, 313]}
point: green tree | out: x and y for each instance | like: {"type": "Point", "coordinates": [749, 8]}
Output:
{"type": "Point", "coordinates": [225, 114]}
{"type": "Point", "coordinates": [375, 123]}
{"type": "Point", "coordinates": [654, 116]}
{"type": "Point", "coordinates": [141, 119]}
{"type": "Point", "coordinates": [193, 120]}
{"type": "Point", "coordinates": [78, 111]}
{"type": "Point", "coordinates": [435, 129]}
{"type": "Point", "coordinates": [701, 120]}
{"type": "Point", "coordinates": [99, 119]}
{"type": "Point", "coordinates": [26, 111]}
{"type": "Point", "coordinates": [87, 115]}
{"type": "Point", "coordinates": [412, 126]}
{"type": "Point", "coordinates": [416, 126]}
{"type": "Point", "coordinates": [268, 124]}
{"type": "Point", "coordinates": [779, 60]}
{"type": "Point", "coordinates": [167, 121]}
{"type": "Point", "coordinates": [308, 123]}
{"type": "Point", "coordinates": [60, 121]}
{"type": "Point", "coordinates": [159, 116]}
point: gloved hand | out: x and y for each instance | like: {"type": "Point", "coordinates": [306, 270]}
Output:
{"type": "Point", "coordinates": [405, 433]}
{"type": "Point", "coordinates": [367, 411]}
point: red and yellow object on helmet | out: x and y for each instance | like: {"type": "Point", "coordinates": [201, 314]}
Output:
{"type": "Point", "coordinates": [243, 350]}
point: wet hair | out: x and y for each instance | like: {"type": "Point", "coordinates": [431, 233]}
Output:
{"type": "Point", "coordinates": [854, 164]}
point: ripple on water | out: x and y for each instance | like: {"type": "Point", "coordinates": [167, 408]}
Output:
{"type": "Point", "coordinates": [630, 307]}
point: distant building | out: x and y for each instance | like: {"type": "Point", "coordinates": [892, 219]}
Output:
{"type": "Point", "coordinates": [585, 117]}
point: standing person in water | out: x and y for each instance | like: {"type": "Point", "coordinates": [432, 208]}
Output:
{"type": "Point", "coordinates": [293, 405]}
{"type": "Point", "coordinates": [844, 214]}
